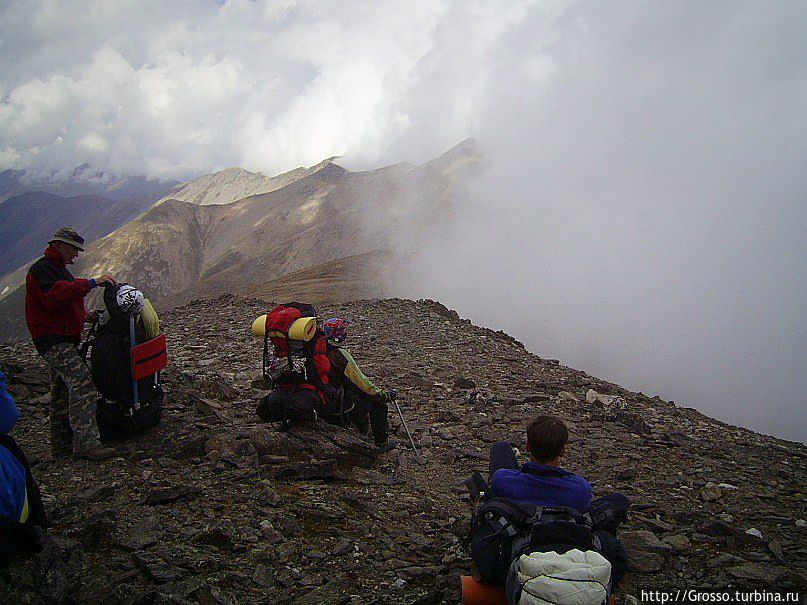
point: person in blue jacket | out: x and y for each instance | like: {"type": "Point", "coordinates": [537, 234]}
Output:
{"type": "Point", "coordinates": [542, 482]}
{"type": "Point", "coordinates": [21, 509]}
{"type": "Point", "coordinates": [12, 472]}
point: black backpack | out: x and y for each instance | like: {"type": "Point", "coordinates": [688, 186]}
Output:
{"type": "Point", "coordinates": [502, 530]}
{"type": "Point", "coordinates": [498, 528]}
{"type": "Point", "coordinates": [303, 367]}
{"type": "Point", "coordinates": [109, 349]}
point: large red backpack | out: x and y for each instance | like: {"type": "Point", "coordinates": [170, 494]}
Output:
{"type": "Point", "coordinates": [300, 344]}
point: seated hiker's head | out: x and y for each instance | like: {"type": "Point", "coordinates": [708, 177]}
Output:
{"type": "Point", "coordinates": [546, 440]}
{"type": "Point", "coordinates": [335, 329]}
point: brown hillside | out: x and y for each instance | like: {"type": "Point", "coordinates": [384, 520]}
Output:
{"type": "Point", "coordinates": [358, 277]}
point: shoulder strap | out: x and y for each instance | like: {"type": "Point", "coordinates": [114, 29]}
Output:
{"type": "Point", "coordinates": [566, 513]}
{"type": "Point", "coordinates": [89, 340]}
{"type": "Point", "coordinates": [518, 512]}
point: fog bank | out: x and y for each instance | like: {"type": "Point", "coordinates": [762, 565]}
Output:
{"type": "Point", "coordinates": [643, 214]}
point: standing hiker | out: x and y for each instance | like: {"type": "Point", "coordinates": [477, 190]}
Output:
{"type": "Point", "coordinates": [356, 393]}
{"type": "Point", "coordinates": [55, 315]}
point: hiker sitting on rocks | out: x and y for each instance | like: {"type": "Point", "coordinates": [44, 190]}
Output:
{"type": "Point", "coordinates": [356, 395]}
{"type": "Point", "coordinates": [55, 315]}
{"type": "Point", "coordinates": [21, 509]}
{"type": "Point", "coordinates": [542, 482]}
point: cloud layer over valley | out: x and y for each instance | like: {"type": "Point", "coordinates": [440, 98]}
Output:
{"type": "Point", "coordinates": [642, 212]}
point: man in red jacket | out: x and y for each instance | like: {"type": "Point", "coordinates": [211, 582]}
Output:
{"type": "Point", "coordinates": [55, 315]}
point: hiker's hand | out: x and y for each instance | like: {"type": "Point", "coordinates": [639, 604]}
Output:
{"type": "Point", "coordinates": [106, 279]}
{"type": "Point", "coordinates": [385, 396]}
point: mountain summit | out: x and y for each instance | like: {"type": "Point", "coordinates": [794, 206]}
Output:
{"type": "Point", "coordinates": [232, 184]}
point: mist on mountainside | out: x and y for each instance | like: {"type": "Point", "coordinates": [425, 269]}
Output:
{"type": "Point", "coordinates": [642, 208]}
{"type": "Point", "coordinates": [642, 213]}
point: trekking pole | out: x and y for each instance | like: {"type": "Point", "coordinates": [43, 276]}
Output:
{"type": "Point", "coordinates": [394, 399]}
{"type": "Point", "coordinates": [135, 398]}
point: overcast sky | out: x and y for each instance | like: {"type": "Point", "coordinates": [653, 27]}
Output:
{"type": "Point", "coordinates": [643, 216]}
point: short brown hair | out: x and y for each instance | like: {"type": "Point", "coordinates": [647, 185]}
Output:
{"type": "Point", "coordinates": [546, 437]}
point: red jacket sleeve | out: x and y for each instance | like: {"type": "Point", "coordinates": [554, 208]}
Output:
{"type": "Point", "coordinates": [56, 293]}
{"type": "Point", "coordinates": [65, 293]}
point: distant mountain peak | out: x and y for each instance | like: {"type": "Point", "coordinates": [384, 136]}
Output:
{"type": "Point", "coordinates": [80, 181]}
{"type": "Point", "coordinates": [466, 150]}
{"type": "Point", "coordinates": [237, 171]}
{"type": "Point", "coordinates": [233, 184]}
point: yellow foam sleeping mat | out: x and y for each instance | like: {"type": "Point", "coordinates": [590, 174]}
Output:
{"type": "Point", "coordinates": [259, 325]}
{"type": "Point", "coordinates": [301, 329]}
{"type": "Point", "coordinates": [151, 322]}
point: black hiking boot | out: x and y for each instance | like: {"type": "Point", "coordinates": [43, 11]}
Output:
{"type": "Point", "coordinates": [386, 446]}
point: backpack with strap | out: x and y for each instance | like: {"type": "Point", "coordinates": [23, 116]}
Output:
{"type": "Point", "coordinates": [558, 529]}
{"type": "Point", "coordinates": [502, 530]}
{"type": "Point", "coordinates": [497, 527]}
{"type": "Point", "coordinates": [109, 350]}
{"type": "Point", "coordinates": [297, 359]}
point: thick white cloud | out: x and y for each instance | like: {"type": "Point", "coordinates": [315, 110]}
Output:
{"type": "Point", "coordinates": [646, 194]}
{"type": "Point", "coordinates": [170, 89]}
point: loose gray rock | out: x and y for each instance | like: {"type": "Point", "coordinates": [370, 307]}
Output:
{"type": "Point", "coordinates": [679, 542]}
{"type": "Point", "coordinates": [710, 493]}
{"type": "Point", "coordinates": [157, 569]}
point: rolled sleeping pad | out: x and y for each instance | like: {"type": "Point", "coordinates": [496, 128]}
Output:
{"type": "Point", "coordinates": [259, 325]}
{"type": "Point", "coordinates": [151, 322]}
{"type": "Point", "coordinates": [303, 328]}
{"type": "Point", "coordinates": [477, 593]}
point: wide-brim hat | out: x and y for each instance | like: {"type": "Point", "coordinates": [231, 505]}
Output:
{"type": "Point", "coordinates": [68, 236]}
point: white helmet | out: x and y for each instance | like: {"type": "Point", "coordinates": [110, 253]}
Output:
{"type": "Point", "coordinates": [129, 299]}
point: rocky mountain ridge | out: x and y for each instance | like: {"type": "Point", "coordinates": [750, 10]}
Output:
{"type": "Point", "coordinates": [181, 250]}
{"type": "Point", "coordinates": [233, 184]}
{"type": "Point", "coordinates": [213, 506]}
{"type": "Point", "coordinates": [358, 277]}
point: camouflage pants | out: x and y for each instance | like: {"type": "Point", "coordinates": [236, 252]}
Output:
{"type": "Point", "coordinates": [73, 402]}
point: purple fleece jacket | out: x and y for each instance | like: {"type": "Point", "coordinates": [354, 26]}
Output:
{"type": "Point", "coordinates": [542, 485]}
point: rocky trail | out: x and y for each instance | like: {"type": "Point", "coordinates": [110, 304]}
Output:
{"type": "Point", "coordinates": [213, 506]}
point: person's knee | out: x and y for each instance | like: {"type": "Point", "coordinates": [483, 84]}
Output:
{"type": "Point", "coordinates": [85, 396]}
{"type": "Point", "coordinates": [619, 501]}
{"type": "Point", "coordinates": [501, 447]}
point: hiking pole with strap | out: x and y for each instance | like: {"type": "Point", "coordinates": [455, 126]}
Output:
{"type": "Point", "coordinates": [394, 398]}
